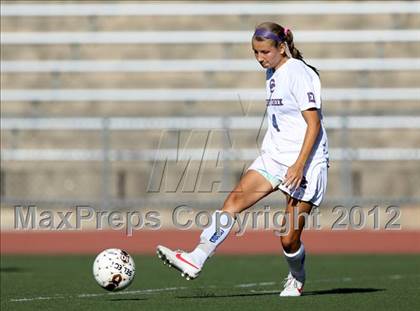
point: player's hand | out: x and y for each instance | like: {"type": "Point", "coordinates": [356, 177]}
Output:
{"type": "Point", "coordinates": [294, 176]}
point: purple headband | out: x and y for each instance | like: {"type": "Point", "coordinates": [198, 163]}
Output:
{"type": "Point", "coordinates": [265, 33]}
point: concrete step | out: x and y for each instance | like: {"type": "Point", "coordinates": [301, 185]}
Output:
{"type": "Point", "coordinates": [200, 108]}
{"type": "Point", "coordinates": [330, 79]}
{"type": "Point", "coordinates": [201, 51]}
{"type": "Point", "coordinates": [216, 139]}
{"type": "Point", "coordinates": [202, 22]}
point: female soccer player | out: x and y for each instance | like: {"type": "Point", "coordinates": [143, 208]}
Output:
{"type": "Point", "coordinates": [294, 157]}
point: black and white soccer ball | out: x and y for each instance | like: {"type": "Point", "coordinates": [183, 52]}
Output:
{"type": "Point", "coordinates": [114, 269]}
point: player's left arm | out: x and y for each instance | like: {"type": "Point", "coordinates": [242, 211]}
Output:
{"type": "Point", "coordinates": [295, 172]}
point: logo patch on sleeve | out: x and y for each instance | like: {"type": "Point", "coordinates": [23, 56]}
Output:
{"type": "Point", "coordinates": [311, 97]}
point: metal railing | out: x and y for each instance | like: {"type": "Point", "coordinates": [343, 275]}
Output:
{"type": "Point", "coordinates": [198, 94]}
{"type": "Point", "coordinates": [207, 8]}
{"type": "Point", "coordinates": [202, 65]}
{"type": "Point", "coordinates": [199, 123]}
{"type": "Point", "coordinates": [203, 37]}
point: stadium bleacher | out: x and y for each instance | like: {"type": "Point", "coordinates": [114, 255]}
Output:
{"type": "Point", "coordinates": [91, 91]}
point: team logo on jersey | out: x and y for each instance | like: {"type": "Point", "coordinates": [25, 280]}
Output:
{"type": "Point", "coordinates": [274, 102]}
{"type": "Point", "coordinates": [311, 97]}
{"type": "Point", "coordinates": [272, 85]}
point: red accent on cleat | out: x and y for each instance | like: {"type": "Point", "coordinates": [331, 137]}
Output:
{"type": "Point", "coordinates": [178, 255]}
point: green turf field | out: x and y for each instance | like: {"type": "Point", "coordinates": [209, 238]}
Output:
{"type": "Point", "coordinates": [353, 282]}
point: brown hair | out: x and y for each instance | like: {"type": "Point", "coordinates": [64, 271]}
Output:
{"type": "Point", "coordinates": [286, 35]}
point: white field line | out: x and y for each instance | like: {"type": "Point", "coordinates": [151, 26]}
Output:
{"type": "Point", "coordinates": [128, 292]}
{"type": "Point", "coordinates": [133, 292]}
{"type": "Point", "coordinates": [241, 285]}
{"type": "Point", "coordinates": [245, 285]}
{"type": "Point", "coordinates": [36, 298]}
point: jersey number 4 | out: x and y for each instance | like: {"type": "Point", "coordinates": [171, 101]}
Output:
{"type": "Point", "coordinates": [274, 121]}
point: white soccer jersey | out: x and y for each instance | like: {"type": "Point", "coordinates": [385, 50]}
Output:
{"type": "Point", "coordinates": [291, 89]}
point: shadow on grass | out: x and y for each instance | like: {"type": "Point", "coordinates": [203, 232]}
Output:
{"type": "Point", "coordinates": [11, 269]}
{"type": "Point", "coordinates": [334, 291]}
{"type": "Point", "coordinates": [210, 295]}
{"type": "Point", "coordinates": [127, 299]}
{"type": "Point", "coordinates": [346, 290]}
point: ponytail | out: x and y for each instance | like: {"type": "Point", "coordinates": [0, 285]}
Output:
{"type": "Point", "coordinates": [294, 51]}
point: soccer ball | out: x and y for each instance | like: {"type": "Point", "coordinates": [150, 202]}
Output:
{"type": "Point", "coordinates": [114, 269]}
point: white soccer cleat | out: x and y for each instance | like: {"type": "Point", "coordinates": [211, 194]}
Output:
{"type": "Point", "coordinates": [292, 287]}
{"type": "Point", "coordinates": [180, 260]}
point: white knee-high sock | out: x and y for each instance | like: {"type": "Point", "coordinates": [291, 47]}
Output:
{"type": "Point", "coordinates": [296, 263]}
{"type": "Point", "coordinates": [212, 236]}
